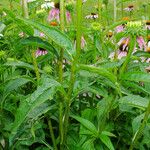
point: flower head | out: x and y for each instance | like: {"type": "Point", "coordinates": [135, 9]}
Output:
{"type": "Point", "coordinates": [141, 42]}
{"type": "Point", "coordinates": [119, 28]}
{"type": "Point", "coordinates": [148, 24]}
{"type": "Point", "coordinates": [95, 26]}
{"type": "Point", "coordinates": [54, 14]}
{"type": "Point", "coordinates": [134, 28]}
{"type": "Point", "coordinates": [129, 8]}
{"type": "Point", "coordinates": [92, 16]}
{"type": "Point", "coordinates": [40, 52]}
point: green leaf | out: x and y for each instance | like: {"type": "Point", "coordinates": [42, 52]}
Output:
{"type": "Point", "coordinates": [17, 63]}
{"type": "Point", "coordinates": [106, 140]}
{"type": "Point", "coordinates": [55, 35]}
{"type": "Point", "coordinates": [99, 70]}
{"type": "Point", "coordinates": [16, 82]}
{"type": "Point", "coordinates": [136, 76]}
{"type": "Point", "coordinates": [137, 122]}
{"type": "Point", "coordinates": [134, 101]}
{"type": "Point", "coordinates": [88, 145]}
{"type": "Point", "coordinates": [36, 41]}
{"type": "Point", "coordinates": [135, 86]}
{"type": "Point", "coordinates": [87, 124]}
{"type": "Point", "coordinates": [27, 106]}
{"type": "Point", "coordinates": [24, 27]}
{"type": "Point", "coordinates": [108, 133]}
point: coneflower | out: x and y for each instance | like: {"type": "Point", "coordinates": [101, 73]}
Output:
{"type": "Point", "coordinates": [148, 24]}
{"type": "Point", "coordinates": [92, 16]}
{"type": "Point", "coordinates": [54, 14]}
{"type": "Point", "coordinates": [129, 8]}
{"type": "Point", "coordinates": [40, 51]}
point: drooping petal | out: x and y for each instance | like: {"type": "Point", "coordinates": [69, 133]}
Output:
{"type": "Point", "coordinates": [68, 16]}
{"type": "Point", "coordinates": [122, 54]}
{"type": "Point", "coordinates": [141, 42]}
{"type": "Point", "coordinates": [126, 43]}
{"type": "Point", "coordinates": [119, 28]}
{"type": "Point", "coordinates": [83, 42]}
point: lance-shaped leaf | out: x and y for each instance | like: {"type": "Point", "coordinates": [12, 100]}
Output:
{"type": "Point", "coordinates": [136, 76]}
{"type": "Point", "coordinates": [87, 124]}
{"type": "Point", "coordinates": [134, 101]}
{"type": "Point", "coordinates": [27, 106]}
{"type": "Point", "coordinates": [99, 70]}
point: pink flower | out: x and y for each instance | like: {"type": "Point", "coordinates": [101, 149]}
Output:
{"type": "Point", "coordinates": [141, 42]}
{"type": "Point", "coordinates": [120, 28]}
{"type": "Point", "coordinates": [123, 43]}
{"type": "Point", "coordinates": [83, 42]}
{"type": "Point", "coordinates": [129, 8]}
{"type": "Point", "coordinates": [42, 34]}
{"type": "Point", "coordinates": [54, 14]}
{"type": "Point", "coordinates": [120, 54]}
{"type": "Point", "coordinates": [148, 27]}
{"type": "Point", "coordinates": [68, 16]}
{"type": "Point", "coordinates": [40, 52]}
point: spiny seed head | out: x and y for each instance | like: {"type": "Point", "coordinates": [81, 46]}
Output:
{"type": "Point", "coordinates": [148, 22]}
{"type": "Point", "coordinates": [148, 49]}
{"type": "Point", "coordinates": [135, 28]}
{"type": "Point", "coordinates": [96, 26]}
{"type": "Point", "coordinates": [148, 37]}
{"type": "Point", "coordinates": [130, 6]}
{"type": "Point", "coordinates": [134, 24]}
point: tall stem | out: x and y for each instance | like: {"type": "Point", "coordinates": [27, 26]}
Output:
{"type": "Point", "coordinates": [25, 9]}
{"type": "Point", "coordinates": [141, 128]}
{"type": "Point", "coordinates": [122, 8]}
{"type": "Point", "coordinates": [73, 67]}
{"type": "Point", "coordinates": [52, 134]}
{"type": "Point", "coordinates": [60, 62]}
{"type": "Point", "coordinates": [35, 66]}
{"type": "Point", "coordinates": [115, 10]}
{"type": "Point", "coordinates": [131, 48]}
{"type": "Point", "coordinates": [99, 10]}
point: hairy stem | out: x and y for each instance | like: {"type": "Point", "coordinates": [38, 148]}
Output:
{"type": "Point", "coordinates": [25, 9]}
{"type": "Point", "coordinates": [73, 67]}
{"type": "Point", "coordinates": [52, 134]}
{"type": "Point", "coordinates": [60, 63]}
{"type": "Point", "coordinates": [35, 66]}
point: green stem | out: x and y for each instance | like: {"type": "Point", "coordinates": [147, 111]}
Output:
{"type": "Point", "coordinates": [35, 66]}
{"type": "Point", "coordinates": [122, 8]}
{"type": "Point", "coordinates": [73, 67]}
{"type": "Point", "coordinates": [25, 9]}
{"type": "Point", "coordinates": [99, 10]}
{"type": "Point", "coordinates": [115, 10]}
{"type": "Point", "coordinates": [131, 48]}
{"type": "Point", "coordinates": [138, 134]}
{"type": "Point", "coordinates": [60, 63]}
{"type": "Point", "coordinates": [52, 134]}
